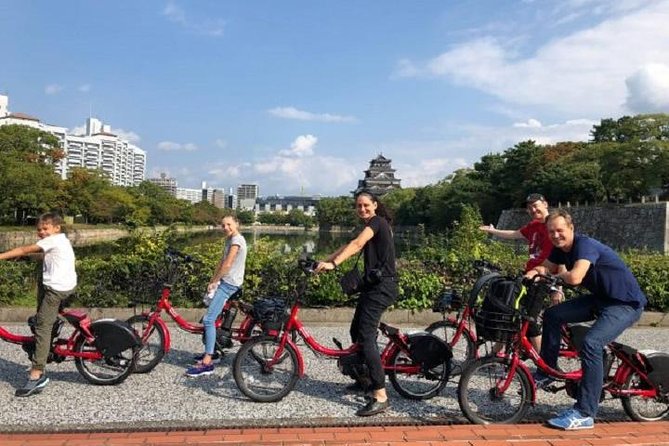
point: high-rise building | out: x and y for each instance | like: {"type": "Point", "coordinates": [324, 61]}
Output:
{"type": "Point", "coordinates": [379, 178]}
{"type": "Point", "coordinates": [167, 183]}
{"type": "Point", "coordinates": [192, 195]}
{"type": "Point", "coordinates": [121, 161]}
{"type": "Point", "coordinates": [246, 196]}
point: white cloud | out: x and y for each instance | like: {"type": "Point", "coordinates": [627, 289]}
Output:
{"type": "Point", "coordinates": [85, 88]}
{"type": "Point", "coordinates": [221, 143]}
{"type": "Point", "coordinates": [210, 26]}
{"type": "Point", "coordinates": [293, 113]}
{"type": "Point", "coordinates": [292, 171]}
{"type": "Point", "coordinates": [170, 146]}
{"type": "Point", "coordinates": [302, 146]}
{"type": "Point", "coordinates": [52, 89]}
{"type": "Point", "coordinates": [648, 89]}
{"type": "Point", "coordinates": [128, 135]}
{"type": "Point", "coordinates": [531, 123]}
{"type": "Point", "coordinates": [427, 171]}
{"type": "Point", "coordinates": [585, 71]}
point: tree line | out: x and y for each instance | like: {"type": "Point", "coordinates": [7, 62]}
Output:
{"type": "Point", "coordinates": [625, 159]}
{"type": "Point", "coordinates": [30, 186]}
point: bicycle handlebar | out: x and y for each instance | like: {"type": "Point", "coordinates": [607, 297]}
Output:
{"type": "Point", "coordinates": [553, 281]}
{"type": "Point", "coordinates": [175, 256]}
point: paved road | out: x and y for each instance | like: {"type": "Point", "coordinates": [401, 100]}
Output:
{"type": "Point", "coordinates": [165, 399]}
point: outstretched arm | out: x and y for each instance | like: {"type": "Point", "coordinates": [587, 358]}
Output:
{"type": "Point", "coordinates": [346, 251]}
{"type": "Point", "coordinates": [21, 251]}
{"type": "Point", "coordinates": [502, 233]}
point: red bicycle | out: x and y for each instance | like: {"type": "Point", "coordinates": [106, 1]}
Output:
{"type": "Point", "coordinates": [104, 351]}
{"type": "Point", "coordinates": [501, 389]}
{"type": "Point", "coordinates": [155, 336]}
{"type": "Point", "coordinates": [456, 326]}
{"type": "Point", "coordinates": [266, 368]}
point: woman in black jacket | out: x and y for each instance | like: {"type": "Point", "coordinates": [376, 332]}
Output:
{"type": "Point", "coordinates": [379, 290]}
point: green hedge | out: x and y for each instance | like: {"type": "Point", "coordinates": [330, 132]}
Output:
{"type": "Point", "coordinates": [425, 269]}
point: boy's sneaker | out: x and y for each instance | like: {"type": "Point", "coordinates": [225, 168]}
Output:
{"type": "Point", "coordinates": [572, 419]}
{"type": "Point", "coordinates": [541, 380]}
{"type": "Point", "coordinates": [200, 370]}
{"type": "Point", "coordinates": [33, 386]}
{"type": "Point", "coordinates": [215, 358]}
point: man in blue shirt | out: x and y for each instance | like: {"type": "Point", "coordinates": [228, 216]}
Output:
{"type": "Point", "coordinates": [615, 299]}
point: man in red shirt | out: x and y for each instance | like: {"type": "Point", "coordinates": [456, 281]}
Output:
{"type": "Point", "coordinates": [539, 244]}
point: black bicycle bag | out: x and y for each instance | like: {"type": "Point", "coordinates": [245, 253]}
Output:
{"type": "Point", "coordinates": [112, 336]}
{"type": "Point", "coordinates": [658, 366]}
{"type": "Point", "coordinates": [429, 351]}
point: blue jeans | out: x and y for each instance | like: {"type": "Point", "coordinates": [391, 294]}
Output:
{"type": "Point", "coordinates": [612, 318]}
{"type": "Point", "coordinates": [223, 292]}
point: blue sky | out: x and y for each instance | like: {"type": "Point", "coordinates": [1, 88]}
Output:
{"type": "Point", "coordinates": [298, 96]}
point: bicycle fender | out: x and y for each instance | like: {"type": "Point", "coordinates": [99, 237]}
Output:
{"type": "Point", "coordinates": [300, 359]}
{"type": "Point", "coordinates": [112, 336]}
{"type": "Point", "coordinates": [533, 387]}
{"type": "Point", "coordinates": [168, 338]}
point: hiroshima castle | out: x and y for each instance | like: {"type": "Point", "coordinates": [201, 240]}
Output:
{"type": "Point", "coordinates": [379, 178]}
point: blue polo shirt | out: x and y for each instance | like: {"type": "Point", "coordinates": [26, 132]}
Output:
{"type": "Point", "coordinates": [608, 277]}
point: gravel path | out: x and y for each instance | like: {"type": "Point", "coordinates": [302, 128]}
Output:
{"type": "Point", "coordinates": [165, 398]}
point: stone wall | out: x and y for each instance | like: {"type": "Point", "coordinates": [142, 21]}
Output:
{"type": "Point", "coordinates": [621, 226]}
{"type": "Point", "coordinates": [80, 237]}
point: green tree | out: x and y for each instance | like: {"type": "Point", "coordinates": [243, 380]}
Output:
{"type": "Point", "coordinates": [82, 189]}
{"type": "Point", "coordinates": [27, 179]}
{"type": "Point", "coordinates": [336, 211]}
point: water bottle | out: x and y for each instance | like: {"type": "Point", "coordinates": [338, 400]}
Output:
{"type": "Point", "coordinates": [208, 297]}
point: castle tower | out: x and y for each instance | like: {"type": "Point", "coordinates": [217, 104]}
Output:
{"type": "Point", "coordinates": [379, 178]}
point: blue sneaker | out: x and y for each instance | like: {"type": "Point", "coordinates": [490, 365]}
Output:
{"type": "Point", "coordinates": [33, 386]}
{"type": "Point", "coordinates": [541, 380]}
{"type": "Point", "coordinates": [570, 420]}
{"type": "Point", "coordinates": [200, 370]}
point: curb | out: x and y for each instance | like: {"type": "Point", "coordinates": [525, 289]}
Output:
{"type": "Point", "coordinates": [337, 316]}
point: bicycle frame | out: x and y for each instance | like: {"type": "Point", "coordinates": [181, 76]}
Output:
{"type": "Point", "coordinates": [164, 304]}
{"type": "Point", "coordinates": [62, 347]}
{"type": "Point", "coordinates": [396, 340]}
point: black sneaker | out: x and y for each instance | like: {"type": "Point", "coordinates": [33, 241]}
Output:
{"type": "Point", "coordinates": [33, 386]}
{"type": "Point", "coordinates": [373, 407]}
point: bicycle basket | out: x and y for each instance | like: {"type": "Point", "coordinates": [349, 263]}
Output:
{"type": "Point", "coordinates": [270, 312]}
{"type": "Point", "coordinates": [498, 319]}
{"type": "Point", "coordinates": [449, 300]}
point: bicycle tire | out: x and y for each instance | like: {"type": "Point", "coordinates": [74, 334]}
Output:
{"type": "Point", "coordinates": [463, 351]}
{"type": "Point", "coordinates": [152, 350]}
{"type": "Point", "coordinates": [477, 392]}
{"type": "Point", "coordinates": [653, 408]}
{"type": "Point", "coordinates": [104, 371]}
{"type": "Point", "coordinates": [418, 386]}
{"type": "Point", "coordinates": [259, 382]}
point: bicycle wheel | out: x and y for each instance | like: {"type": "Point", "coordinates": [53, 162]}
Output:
{"type": "Point", "coordinates": [641, 408]}
{"type": "Point", "coordinates": [259, 381]}
{"type": "Point", "coordinates": [153, 343]}
{"type": "Point", "coordinates": [464, 350]}
{"type": "Point", "coordinates": [419, 386]}
{"type": "Point", "coordinates": [104, 371]}
{"type": "Point", "coordinates": [478, 396]}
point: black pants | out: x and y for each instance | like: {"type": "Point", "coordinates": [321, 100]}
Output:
{"type": "Point", "coordinates": [364, 328]}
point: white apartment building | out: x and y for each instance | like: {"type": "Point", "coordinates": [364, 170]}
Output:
{"type": "Point", "coordinates": [192, 195]}
{"type": "Point", "coordinates": [122, 162]}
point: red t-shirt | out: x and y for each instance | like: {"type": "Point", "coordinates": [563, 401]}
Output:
{"type": "Point", "coordinates": [540, 245]}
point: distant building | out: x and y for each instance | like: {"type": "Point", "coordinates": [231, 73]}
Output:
{"type": "Point", "coordinates": [379, 178]}
{"type": "Point", "coordinates": [121, 161]}
{"type": "Point", "coordinates": [167, 183]}
{"type": "Point", "coordinates": [279, 203]}
{"type": "Point", "coordinates": [192, 195]}
{"type": "Point", "coordinates": [246, 196]}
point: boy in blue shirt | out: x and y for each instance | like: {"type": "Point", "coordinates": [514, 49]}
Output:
{"type": "Point", "coordinates": [615, 299]}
